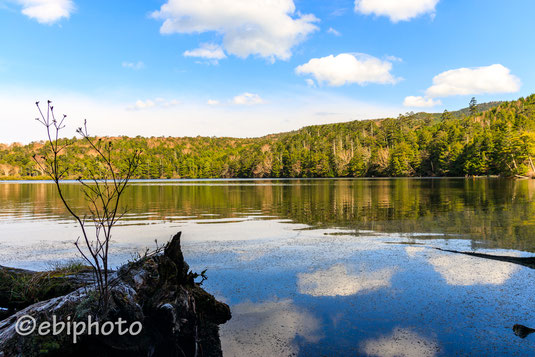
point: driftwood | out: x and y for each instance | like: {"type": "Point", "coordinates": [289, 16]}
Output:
{"type": "Point", "coordinates": [527, 262]}
{"type": "Point", "coordinates": [178, 317]}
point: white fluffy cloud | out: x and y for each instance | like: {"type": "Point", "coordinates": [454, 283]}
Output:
{"type": "Point", "coordinates": [143, 104]}
{"type": "Point", "coordinates": [469, 81]}
{"type": "Point", "coordinates": [153, 103]}
{"type": "Point", "coordinates": [47, 11]}
{"type": "Point", "coordinates": [212, 102]}
{"type": "Point", "coordinates": [209, 51]}
{"type": "Point", "coordinates": [247, 99]}
{"type": "Point", "coordinates": [134, 65]}
{"type": "Point", "coordinates": [333, 32]}
{"type": "Point", "coordinates": [338, 281]}
{"type": "Point", "coordinates": [265, 28]}
{"type": "Point", "coordinates": [347, 68]}
{"type": "Point", "coordinates": [401, 343]}
{"type": "Point", "coordinates": [414, 251]}
{"type": "Point", "coordinates": [255, 327]}
{"type": "Point", "coordinates": [420, 102]}
{"type": "Point", "coordinates": [465, 270]}
{"type": "Point", "coordinates": [396, 10]}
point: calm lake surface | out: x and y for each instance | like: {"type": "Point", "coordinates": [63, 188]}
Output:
{"type": "Point", "coordinates": [323, 267]}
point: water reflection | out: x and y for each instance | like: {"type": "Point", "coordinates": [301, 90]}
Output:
{"type": "Point", "coordinates": [401, 343]}
{"type": "Point", "coordinates": [413, 251]}
{"type": "Point", "coordinates": [465, 270]}
{"type": "Point", "coordinates": [324, 267]}
{"type": "Point", "coordinates": [268, 329]}
{"type": "Point", "coordinates": [339, 280]}
{"type": "Point", "coordinates": [495, 213]}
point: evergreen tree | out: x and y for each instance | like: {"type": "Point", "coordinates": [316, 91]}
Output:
{"type": "Point", "coordinates": [500, 140]}
{"type": "Point", "coordinates": [473, 106]}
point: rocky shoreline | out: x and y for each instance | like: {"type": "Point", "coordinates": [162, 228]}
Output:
{"type": "Point", "coordinates": [177, 316]}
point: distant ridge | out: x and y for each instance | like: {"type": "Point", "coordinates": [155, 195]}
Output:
{"type": "Point", "coordinates": [499, 139]}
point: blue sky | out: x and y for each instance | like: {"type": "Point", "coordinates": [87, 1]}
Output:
{"type": "Point", "coordinates": [253, 67]}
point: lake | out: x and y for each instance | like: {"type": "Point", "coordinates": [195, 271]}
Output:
{"type": "Point", "coordinates": [322, 267]}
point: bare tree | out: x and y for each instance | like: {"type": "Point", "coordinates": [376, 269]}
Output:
{"type": "Point", "coordinates": [107, 180]}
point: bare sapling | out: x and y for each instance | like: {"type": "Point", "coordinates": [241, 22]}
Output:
{"type": "Point", "coordinates": [103, 185]}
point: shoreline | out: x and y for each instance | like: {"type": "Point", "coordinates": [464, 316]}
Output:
{"type": "Point", "coordinates": [47, 180]}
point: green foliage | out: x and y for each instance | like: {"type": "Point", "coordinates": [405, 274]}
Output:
{"type": "Point", "coordinates": [202, 275]}
{"type": "Point", "coordinates": [473, 106]}
{"type": "Point", "coordinates": [484, 139]}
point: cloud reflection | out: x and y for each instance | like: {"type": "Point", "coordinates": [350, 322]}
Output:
{"type": "Point", "coordinates": [267, 329]}
{"type": "Point", "coordinates": [413, 251]}
{"type": "Point", "coordinates": [464, 270]}
{"type": "Point", "coordinates": [458, 269]}
{"type": "Point", "coordinates": [338, 281]}
{"type": "Point", "coordinates": [401, 343]}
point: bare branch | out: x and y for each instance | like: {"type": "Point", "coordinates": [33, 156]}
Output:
{"type": "Point", "coordinates": [103, 192]}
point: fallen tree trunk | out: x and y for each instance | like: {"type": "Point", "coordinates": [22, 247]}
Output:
{"type": "Point", "coordinates": [527, 262]}
{"type": "Point", "coordinates": [20, 288]}
{"type": "Point", "coordinates": [177, 316]}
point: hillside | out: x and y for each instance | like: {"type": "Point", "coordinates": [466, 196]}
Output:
{"type": "Point", "coordinates": [498, 140]}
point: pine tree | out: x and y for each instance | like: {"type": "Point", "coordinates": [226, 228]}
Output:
{"type": "Point", "coordinates": [473, 106]}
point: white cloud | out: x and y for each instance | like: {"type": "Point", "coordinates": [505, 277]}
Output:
{"type": "Point", "coordinates": [401, 343]}
{"type": "Point", "coordinates": [47, 11]}
{"type": "Point", "coordinates": [348, 68]}
{"type": "Point", "coordinates": [143, 104]}
{"type": "Point", "coordinates": [396, 10]}
{"type": "Point", "coordinates": [254, 328]}
{"type": "Point", "coordinates": [150, 103]}
{"type": "Point", "coordinates": [339, 12]}
{"type": "Point", "coordinates": [247, 99]}
{"type": "Point", "coordinates": [420, 102]}
{"type": "Point", "coordinates": [393, 59]}
{"type": "Point", "coordinates": [265, 28]}
{"type": "Point", "coordinates": [469, 81]}
{"type": "Point", "coordinates": [310, 83]}
{"type": "Point", "coordinates": [458, 269]}
{"type": "Point", "coordinates": [333, 32]}
{"type": "Point", "coordinates": [210, 51]}
{"type": "Point", "coordinates": [212, 102]}
{"type": "Point", "coordinates": [338, 281]}
{"type": "Point", "coordinates": [134, 65]}
{"type": "Point", "coordinates": [110, 113]}
{"type": "Point", "coordinates": [414, 251]}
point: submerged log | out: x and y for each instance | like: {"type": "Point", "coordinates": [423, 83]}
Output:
{"type": "Point", "coordinates": [522, 331]}
{"type": "Point", "coordinates": [526, 261]}
{"type": "Point", "coordinates": [177, 316]}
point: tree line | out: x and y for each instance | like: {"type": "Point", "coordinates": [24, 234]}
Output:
{"type": "Point", "coordinates": [487, 139]}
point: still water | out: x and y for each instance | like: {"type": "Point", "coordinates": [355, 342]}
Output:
{"type": "Point", "coordinates": [323, 267]}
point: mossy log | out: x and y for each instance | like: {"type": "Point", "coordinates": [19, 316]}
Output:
{"type": "Point", "coordinates": [20, 288]}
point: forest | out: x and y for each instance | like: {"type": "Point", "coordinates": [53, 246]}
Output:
{"type": "Point", "coordinates": [488, 139]}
